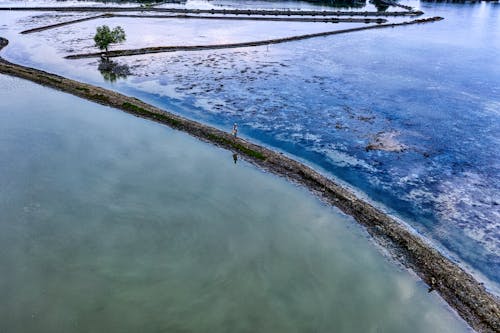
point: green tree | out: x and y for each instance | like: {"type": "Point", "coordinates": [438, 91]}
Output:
{"type": "Point", "coordinates": [105, 36]}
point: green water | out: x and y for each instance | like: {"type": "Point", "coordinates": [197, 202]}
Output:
{"type": "Point", "coordinates": [109, 223]}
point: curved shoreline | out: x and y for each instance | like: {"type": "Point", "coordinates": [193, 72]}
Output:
{"type": "Point", "coordinates": [162, 49]}
{"type": "Point", "coordinates": [262, 12]}
{"type": "Point", "coordinates": [462, 292]}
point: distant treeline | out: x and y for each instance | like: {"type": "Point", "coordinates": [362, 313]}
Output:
{"type": "Point", "coordinates": [381, 5]}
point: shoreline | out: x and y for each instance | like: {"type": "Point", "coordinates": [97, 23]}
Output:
{"type": "Point", "coordinates": [458, 288]}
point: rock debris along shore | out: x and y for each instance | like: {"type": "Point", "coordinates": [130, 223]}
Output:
{"type": "Point", "coordinates": [161, 49]}
{"type": "Point", "coordinates": [469, 297]}
{"type": "Point", "coordinates": [262, 12]}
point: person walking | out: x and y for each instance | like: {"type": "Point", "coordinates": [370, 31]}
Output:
{"type": "Point", "coordinates": [235, 130]}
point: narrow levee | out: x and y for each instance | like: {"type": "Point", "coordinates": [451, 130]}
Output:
{"type": "Point", "coordinates": [62, 24]}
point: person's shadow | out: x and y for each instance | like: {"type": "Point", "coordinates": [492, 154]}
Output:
{"type": "Point", "coordinates": [112, 71]}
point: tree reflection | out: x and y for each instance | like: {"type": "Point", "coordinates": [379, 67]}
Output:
{"type": "Point", "coordinates": [381, 6]}
{"type": "Point", "coordinates": [112, 71]}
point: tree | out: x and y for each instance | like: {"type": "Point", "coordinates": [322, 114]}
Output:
{"type": "Point", "coordinates": [105, 36]}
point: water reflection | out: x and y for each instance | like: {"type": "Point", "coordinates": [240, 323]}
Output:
{"type": "Point", "coordinates": [303, 4]}
{"type": "Point", "coordinates": [326, 106]}
{"type": "Point", "coordinates": [112, 71]}
{"type": "Point", "coordinates": [113, 224]}
{"type": "Point", "coordinates": [381, 6]}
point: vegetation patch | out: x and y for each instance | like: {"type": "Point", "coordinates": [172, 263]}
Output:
{"type": "Point", "coordinates": [100, 97]}
{"type": "Point", "coordinates": [143, 112]}
{"type": "Point", "coordinates": [82, 89]}
{"type": "Point", "coordinates": [51, 79]}
{"type": "Point", "coordinates": [134, 108]}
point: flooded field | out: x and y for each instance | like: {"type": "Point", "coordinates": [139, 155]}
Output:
{"type": "Point", "coordinates": [407, 116]}
{"type": "Point", "coordinates": [148, 32]}
{"type": "Point", "coordinates": [204, 4]}
{"type": "Point", "coordinates": [113, 223]}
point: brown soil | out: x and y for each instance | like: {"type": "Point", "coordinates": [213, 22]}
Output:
{"type": "Point", "coordinates": [470, 299]}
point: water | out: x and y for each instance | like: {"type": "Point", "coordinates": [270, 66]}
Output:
{"type": "Point", "coordinates": [292, 5]}
{"type": "Point", "coordinates": [428, 91]}
{"type": "Point", "coordinates": [112, 223]}
{"type": "Point", "coordinates": [150, 32]}
{"type": "Point", "coordinates": [203, 4]}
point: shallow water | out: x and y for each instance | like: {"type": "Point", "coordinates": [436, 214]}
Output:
{"type": "Point", "coordinates": [428, 90]}
{"type": "Point", "coordinates": [292, 5]}
{"type": "Point", "coordinates": [203, 4]}
{"type": "Point", "coordinates": [57, 3]}
{"type": "Point", "coordinates": [112, 223]}
{"type": "Point", "coordinates": [149, 32]}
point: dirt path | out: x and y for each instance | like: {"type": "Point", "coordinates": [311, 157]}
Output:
{"type": "Point", "coordinates": [479, 308]}
{"type": "Point", "coordinates": [161, 49]}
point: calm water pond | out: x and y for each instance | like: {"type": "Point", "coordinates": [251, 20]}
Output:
{"type": "Point", "coordinates": [109, 223]}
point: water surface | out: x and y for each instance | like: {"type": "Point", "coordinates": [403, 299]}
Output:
{"type": "Point", "coordinates": [112, 223]}
{"type": "Point", "coordinates": [432, 91]}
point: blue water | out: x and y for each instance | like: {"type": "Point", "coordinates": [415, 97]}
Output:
{"type": "Point", "coordinates": [432, 91]}
{"type": "Point", "coordinates": [435, 88]}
